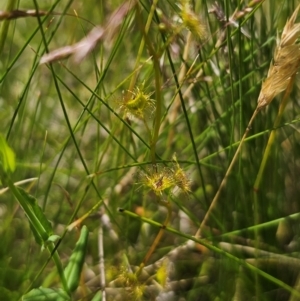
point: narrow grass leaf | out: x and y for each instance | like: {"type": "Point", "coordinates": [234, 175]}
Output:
{"type": "Point", "coordinates": [7, 156]}
{"type": "Point", "coordinates": [39, 224]}
{"type": "Point", "coordinates": [74, 267]}
{"type": "Point", "coordinates": [98, 296]}
{"type": "Point", "coordinates": [46, 294]}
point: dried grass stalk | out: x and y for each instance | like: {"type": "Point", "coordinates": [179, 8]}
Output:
{"type": "Point", "coordinates": [97, 34]}
{"type": "Point", "coordinates": [281, 72]}
{"type": "Point", "coordinates": [285, 63]}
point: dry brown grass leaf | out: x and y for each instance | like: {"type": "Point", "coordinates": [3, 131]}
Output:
{"type": "Point", "coordinates": [15, 14]}
{"type": "Point", "coordinates": [285, 64]}
{"type": "Point", "coordinates": [87, 44]}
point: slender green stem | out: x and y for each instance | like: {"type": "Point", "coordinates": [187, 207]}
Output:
{"type": "Point", "coordinates": [5, 24]}
{"type": "Point", "coordinates": [59, 267]}
{"type": "Point", "coordinates": [142, 44]}
{"type": "Point", "coordinates": [157, 121]}
{"type": "Point", "coordinates": [215, 249]}
{"type": "Point", "coordinates": [224, 181]}
{"type": "Point", "coordinates": [259, 176]}
{"type": "Point", "coordinates": [159, 235]}
{"type": "Point", "coordinates": [270, 143]}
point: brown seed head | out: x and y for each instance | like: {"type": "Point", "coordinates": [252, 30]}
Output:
{"type": "Point", "coordinates": [285, 64]}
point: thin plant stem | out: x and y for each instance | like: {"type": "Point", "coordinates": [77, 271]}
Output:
{"type": "Point", "coordinates": [5, 25]}
{"type": "Point", "coordinates": [259, 176]}
{"type": "Point", "coordinates": [158, 236]}
{"type": "Point", "coordinates": [157, 121]}
{"type": "Point", "coordinates": [270, 143]}
{"type": "Point", "coordinates": [224, 181]}
{"type": "Point", "coordinates": [217, 250]}
{"type": "Point", "coordinates": [142, 44]}
{"type": "Point", "coordinates": [181, 77]}
{"type": "Point", "coordinates": [59, 267]}
{"type": "Point", "coordinates": [101, 263]}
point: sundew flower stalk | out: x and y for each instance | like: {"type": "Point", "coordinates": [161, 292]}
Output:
{"type": "Point", "coordinates": [161, 181]}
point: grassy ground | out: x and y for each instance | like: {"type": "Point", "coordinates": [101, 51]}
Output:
{"type": "Point", "coordinates": [100, 134]}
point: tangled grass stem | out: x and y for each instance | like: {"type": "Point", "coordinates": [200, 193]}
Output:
{"type": "Point", "coordinates": [280, 77]}
{"type": "Point", "coordinates": [224, 181]}
{"type": "Point", "coordinates": [158, 236]}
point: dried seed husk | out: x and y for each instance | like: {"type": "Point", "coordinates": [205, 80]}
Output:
{"type": "Point", "coordinates": [285, 64]}
{"type": "Point", "coordinates": [282, 69]}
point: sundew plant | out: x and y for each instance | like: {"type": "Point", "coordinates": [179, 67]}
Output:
{"type": "Point", "coordinates": [149, 150]}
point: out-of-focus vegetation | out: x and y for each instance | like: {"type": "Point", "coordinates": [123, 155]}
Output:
{"type": "Point", "coordinates": [128, 127]}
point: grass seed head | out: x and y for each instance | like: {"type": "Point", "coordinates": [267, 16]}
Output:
{"type": "Point", "coordinates": [285, 64]}
{"type": "Point", "coordinates": [191, 21]}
